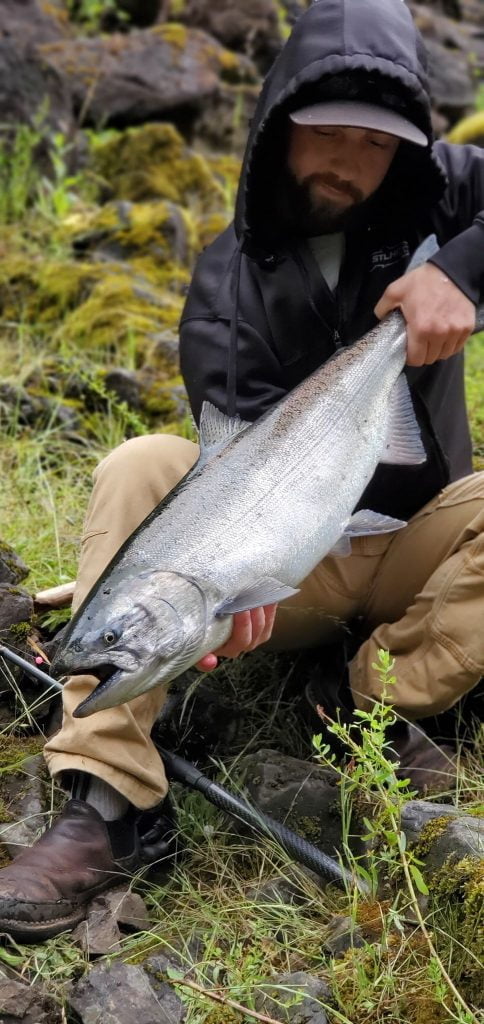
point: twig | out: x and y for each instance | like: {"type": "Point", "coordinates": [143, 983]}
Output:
{"type": "Point", "coordinates": [222, 999]}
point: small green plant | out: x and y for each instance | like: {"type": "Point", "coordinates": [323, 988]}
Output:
{"type": "Point", "coordinates": [18, 173]}
{"type": "Point", "coordinates": [54, 196]}
{"type": "Point", "coordinates": [90, 13]}
{"type": "Point", "coordinates": [372, 792]}
{"type": "Point", "coordinates": [479, 100]}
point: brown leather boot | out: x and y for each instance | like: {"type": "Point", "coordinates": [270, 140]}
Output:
{"type": "Point", "coordinates": [46, 889]}
{"type": "Point", "coordinates": [431, 767]}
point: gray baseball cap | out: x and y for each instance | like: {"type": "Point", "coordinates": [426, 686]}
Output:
{"type": "Point", "coordinates": [352, 113]}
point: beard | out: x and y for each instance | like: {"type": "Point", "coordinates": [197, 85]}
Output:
{"type": "Point", "coordinates": [304, 210]}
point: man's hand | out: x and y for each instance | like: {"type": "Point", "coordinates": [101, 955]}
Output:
{"type": "Point", "coordinates": [439, 316]}
{"type": "Point", "coordinates": [250, 629]}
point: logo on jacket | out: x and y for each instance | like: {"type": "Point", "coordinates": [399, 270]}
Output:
{"type": "Point", "coordinates": [388, 255]}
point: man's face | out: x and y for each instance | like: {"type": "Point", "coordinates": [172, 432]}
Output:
{"type": "Point", "coordinates": [332, 170]}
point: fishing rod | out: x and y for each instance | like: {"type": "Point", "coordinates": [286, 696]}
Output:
{"type": "Point", "coordinates": [179, 770]}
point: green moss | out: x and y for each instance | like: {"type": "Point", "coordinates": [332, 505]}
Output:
{"type": "Point", "coordinates": [7, 556]}
{"type": "Point", "coordinates": [173, 33]}
{"type": "Point", "coordinates": [457, 893]}
{"type": "Point", "coordinates": [20, 631]}
{"type": "Point", "coordinates": [430, 832]}
{"type": "Point", "coordinates": [307, 826]}
{"type": "Point", "coordinates": [223, 1015]}
{"type": "Point", "coordinates": [154, 162]}
{"type": "Point", "coordinates": [14, 750]}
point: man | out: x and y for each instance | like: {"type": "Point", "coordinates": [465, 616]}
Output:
{"type": "Point", "coordinates": [339, 185]}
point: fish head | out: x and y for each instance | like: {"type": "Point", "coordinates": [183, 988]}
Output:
{"type": "Point", "coordinates": [133, 635]}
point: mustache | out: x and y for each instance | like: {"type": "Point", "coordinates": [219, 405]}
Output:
{"type": "Point", "coordinates": [338, 183]}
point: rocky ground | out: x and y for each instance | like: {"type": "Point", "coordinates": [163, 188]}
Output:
{"type": "Point", "coordinates": [122, 125]}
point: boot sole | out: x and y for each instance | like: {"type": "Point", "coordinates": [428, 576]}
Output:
{"type": "Point", "coordinates": [33, 932]}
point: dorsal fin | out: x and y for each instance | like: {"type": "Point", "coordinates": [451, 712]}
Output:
{"type": "Point", "coordinates": [216, 430]}
{"type": "Point", "coordinates": [423, 252]}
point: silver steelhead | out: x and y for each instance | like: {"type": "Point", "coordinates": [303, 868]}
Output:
{"type": "Point", "coordinates": [262, 506]}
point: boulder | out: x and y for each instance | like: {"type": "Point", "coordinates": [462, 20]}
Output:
{"type": "Point", "coordinates": [22, 798]}
{"type": "Point", "coordinates": [294, 998]}
{"type": "Point", "coordinates": [461, 838]}
{"type": "Point", "coordinates": [28, 22]}
{"type": "Point", "coordinates": [119, 994]}
{"type": "Point", "coordinates": [16, 609]}
{"type": "Point", "coordinates": [253, 28]}
{"type": "Point", "coordinates": [31, 92]}
{"type": "Point", "coordinates": [168, 72]}
{"type": "Point", "coordinates": [302, 795]}
{"type": "Point", "coordinates": [455, 53]}
{"type": "Point", "coordinates": [12, 568]}
{"type": "Point", "coordinates": [342, 933]}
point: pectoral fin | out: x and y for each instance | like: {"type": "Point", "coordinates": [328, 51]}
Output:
{"type": "Point", "coordinates": [403, 444]}
{"type": "Point", "coordinates": [265, 591]}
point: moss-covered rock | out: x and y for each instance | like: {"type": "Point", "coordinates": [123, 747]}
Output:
{"type": "Point", "coordinates": [154, 162]}
{"type": "Point", "coordinates": [457, 893]}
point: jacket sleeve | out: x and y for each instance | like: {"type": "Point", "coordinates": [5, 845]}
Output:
{"type": "Point", "coordinates": [460, 218]}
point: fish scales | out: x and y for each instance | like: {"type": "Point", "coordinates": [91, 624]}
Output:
{"type": "Point", "coordinates": [291, 451]}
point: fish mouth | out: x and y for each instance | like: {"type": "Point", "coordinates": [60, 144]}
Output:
{"type": "Point", "coordinates": [108, 675]}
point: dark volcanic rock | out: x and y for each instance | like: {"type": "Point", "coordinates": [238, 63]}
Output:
{"type": "Point", "coordinates": [294, 998]}
{"type": "Point", "coordinates": [39, 411]}
{"type": "Point", "coordinates": [22, 794]}
{"type": "Point", "coordinates": [119, 994]}
{"type": "Point", "coordinates": [16, 606]}
{"type": "Point", "coordinates": [252, 28]}
{"type": "Point", "coordinates": [342, 934]}
{"type": "Point", "coordinates": [302, 795]}
{"type": "Point", "coordinates": [455, 53]}
{"type": "Point", "coordinates": [12, 569]}
{"type": "Point", "coordinates": [28, 22]}
{"type": "Point", "coordinates": [108, 917]}
{"type": "Point", "coordinates": [463, 837]}
{"type": "Point", "coordinates": [125, 385]}
{"type": "Point", "coordinates": [26, 1004]}
{"type": "Point", "coordinates": [166, 72]}
{"type": "Point", "coordinates": [28, 87]}
{"type": "Point", "coordinates": [418, 813]}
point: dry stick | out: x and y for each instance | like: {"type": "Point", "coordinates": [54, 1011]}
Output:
{"type": "Point", "coordinates": [221, 999]}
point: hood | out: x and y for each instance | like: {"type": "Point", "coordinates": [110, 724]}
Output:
{"type": "Point", "coordinates": [375, 46]}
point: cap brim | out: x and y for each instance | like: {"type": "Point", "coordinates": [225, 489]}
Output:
{"type": "Point", "coordinates": [352, 114]}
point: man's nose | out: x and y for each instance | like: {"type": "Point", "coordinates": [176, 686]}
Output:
{"type": "Point", "coordinates": [346, 160]}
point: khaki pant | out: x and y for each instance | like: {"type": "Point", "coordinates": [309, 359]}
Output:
{"type": "Point", "coordinates": [421, 590]}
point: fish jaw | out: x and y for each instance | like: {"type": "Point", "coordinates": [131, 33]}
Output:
{"type": "Point", "coordinates": [149, 632]}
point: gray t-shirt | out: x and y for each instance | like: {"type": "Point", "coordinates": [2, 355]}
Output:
{"type": "Point", "coordinates": [328, 251]}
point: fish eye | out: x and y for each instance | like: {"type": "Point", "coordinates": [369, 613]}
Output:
{"type": "Point", "coordinates": [110, 636]}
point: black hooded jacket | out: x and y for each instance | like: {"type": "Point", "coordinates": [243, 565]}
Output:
{"type": "Point", "coordinates": [259, 316]}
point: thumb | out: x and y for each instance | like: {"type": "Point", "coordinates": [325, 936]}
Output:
{"type": "Point", "coordinates": [391, 299]}
{"type": "Point", "coordinates": [384, 306]}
